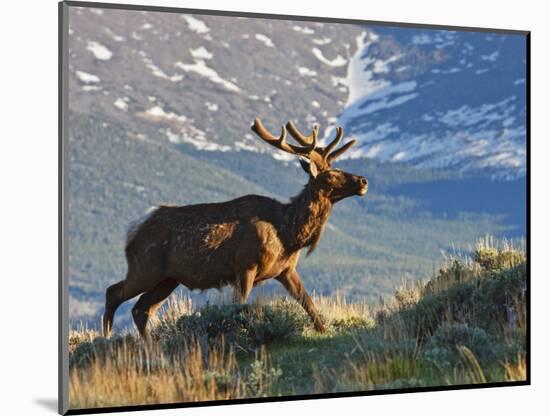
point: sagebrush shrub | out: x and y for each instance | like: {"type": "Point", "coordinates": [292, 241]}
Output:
{"type": "Point", "coordinates": [442, 348]}
{"type": "Point", "coordinates": [490, 258]}
{"type": "Point", "coordinates": [351, 323]}
{"type": "Point", "coordinates": [484, 299]}
{"type": "Point", "coordinates": [99, 348]}
{"type": "Point", "coordinates": [248, 326]}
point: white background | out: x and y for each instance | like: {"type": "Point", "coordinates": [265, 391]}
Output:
{"type": "Point", "coordinates": [28, 207]}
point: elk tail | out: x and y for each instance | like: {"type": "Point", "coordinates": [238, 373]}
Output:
{"type": "Point", "coordinates": [135, 226]}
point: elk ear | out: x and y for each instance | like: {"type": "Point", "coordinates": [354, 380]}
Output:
{"type": "Point", "coordinates": [304, 163]}
{"type": "Point", "coordinates": [313, 169]}
{"type": "Point", "coordinates": [308, 167]}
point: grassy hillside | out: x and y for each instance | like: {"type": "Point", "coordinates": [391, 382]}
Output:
{"type": "Point", "coordinates": [465, 325]}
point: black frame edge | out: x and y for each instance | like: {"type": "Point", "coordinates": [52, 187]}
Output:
{"type": "Point", "coordinates": [166, 9]}
{"type": "Point", "coordinates": [63, 296]}
{"type": "Point", "coordinates": [528, 198]}
{"type": "Point", "coordinates": [292, 398]}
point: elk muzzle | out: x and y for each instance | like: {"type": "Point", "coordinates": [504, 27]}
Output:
{"type": "Point", "coordinates": [363, 185]}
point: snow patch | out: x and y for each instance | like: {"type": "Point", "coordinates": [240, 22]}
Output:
{"type": "Point", "coordinates": [87, 78]}
{"type": "Point", "coordinates": [201, 53]}
{"type": "Point", "coordinates": [398, 156]}
{"type": "Point", "coordinates": [384, 103]}
{"type": "Point", "coordinates": [90, 88]}
{"type": "Point", "coordinates": [469, 116]}
{"type": "Point", "coordinates": [99, 51]}
{"type": "Point", "coordinates": [200, 67]}
{"type": "Point", "coordinates": [306, 72]}
{"type": "Point", "coordinates": [358, 81]}
{"type": "Point", "coordinates": [303, 29]}
{"type": "Point", "coordinates": [121, 104]}
{"type": "Point", "coordinates": [264, 39]}
{"type": "Point", "coordinates": [283, 156]}
{"type": "Point", "coordinates": [114, 36]}
{"type": "Point", "coordinates": [336, 62]}
{"type": "Point", "coordinates": [196, 138]}
{"type": "Point", "coordinates": [491, 57]}
{"type": "Point", "coordinates": [421, 40]}
{"type": "Point", "coordinates": [242, 145]}
{"type": "Point", "coordinates": [445, 71]}
{"type": "Point", "coordinates": [381, 67]}
{"type": "Point", "coordinates": [322, 41]}
{"type": "Point", "coordinates": [211, 106]}
{"type": "Point", "coordinates": [156, 71]}
{"type": "Point", "coordinates": [196, 25]}
{"type": "Point", "coordinates": [157, 113]}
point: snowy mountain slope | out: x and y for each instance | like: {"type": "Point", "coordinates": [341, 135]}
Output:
{"type": "Point", "coordinates": [440, 99]}
{"type": "Point", "coordinates": [436, 99]}
{"type": "Point", "coordinates": [203, 79]}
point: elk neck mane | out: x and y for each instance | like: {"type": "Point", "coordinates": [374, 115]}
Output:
{"type": "Point", "coordinates": [306, 215]}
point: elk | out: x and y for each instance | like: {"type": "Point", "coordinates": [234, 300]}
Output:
{"type": "Point", "coordinates": [240, 243]}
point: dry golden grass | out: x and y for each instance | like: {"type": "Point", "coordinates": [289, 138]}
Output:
{"type": "Point", "coordinates": [80, 335]}
{"type": "Point", "coordinates": [516, 371]}
{"type": "Point", "coordinates": [145, 375]}
{"type": "Point", "coordinates": [137, 372]}
{"type": "Point", "coordinates": [338, 308]}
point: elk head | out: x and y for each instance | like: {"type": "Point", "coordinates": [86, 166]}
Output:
{"type": "Point", "coordinates": [317, 161]}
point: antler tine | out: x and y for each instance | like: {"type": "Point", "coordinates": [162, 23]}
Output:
{"type": "Point", "coordinates": [330, 147]}
{"type": "Point", "coordinates": [301, 138]}
{"type": "Point", "coordinates": [280, 142]}
{"type": "Point", "coordinates": [338, 152]}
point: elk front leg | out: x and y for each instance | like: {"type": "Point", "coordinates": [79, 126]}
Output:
{"type": "Point", "coordinates": [291, 281]}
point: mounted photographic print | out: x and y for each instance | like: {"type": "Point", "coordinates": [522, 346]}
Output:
{"type": "Point", "coordinates": [264, 207]}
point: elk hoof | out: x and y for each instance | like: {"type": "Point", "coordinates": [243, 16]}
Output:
{"type": "Point", "coordinates": [320, 327]}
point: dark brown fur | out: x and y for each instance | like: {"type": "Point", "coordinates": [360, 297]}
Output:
{"type": "Point", "coordinates": [238, 243]}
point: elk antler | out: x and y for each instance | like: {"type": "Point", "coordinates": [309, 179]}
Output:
{"type": "Point", "coordinates": [280, 142]}
{"type": "Point", "coordinates": [338, 152]}
{"type": "Point", "coordinates": [300, 138]}
{"type": "Point", "coordinates": [327, 151]}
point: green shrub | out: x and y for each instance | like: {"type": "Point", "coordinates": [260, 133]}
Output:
{"type": "Point", "coordinates": [99, 348]}
{"type": "Point", "coordinates": [222, 378]}
{"type": "Point", "coordinates": [83, 354]}
{"type": "Point", "coordinates": [441, 349]}
{"type": "Point", "coordinates": [248, 326]}
{"type": "Point", "coordinates": [484, 301]}
{"type": "Point", "coordinates": [351, 323]}
{"type": "Point", "coordinates": [262, 377]}
{"type": "Point", "coordinates": [490, 258]}
{"type": "Point", "coordinates": [77, 337]}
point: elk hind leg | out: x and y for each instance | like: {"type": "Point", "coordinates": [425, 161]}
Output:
{"type": "Point", "coordinates": [149, 302]}
{"type": "Point", "coordinates": [120, 292]}
{"type": "Point", "coordinates": [245, 282]}
{"type": "Point", "coordinates": [113, 299]}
